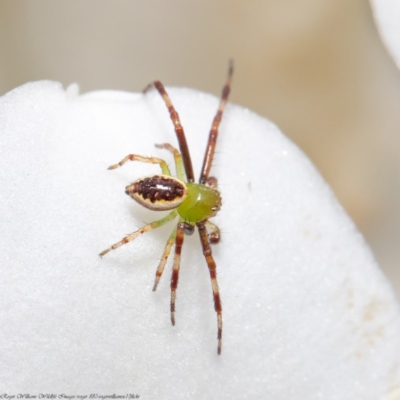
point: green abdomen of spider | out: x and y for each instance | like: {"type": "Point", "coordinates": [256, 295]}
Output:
{"type": "Point", "coordinates": [201, 202]}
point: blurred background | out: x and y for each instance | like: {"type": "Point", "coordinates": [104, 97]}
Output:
{"type": "Point", "coordinates": [316, 68]}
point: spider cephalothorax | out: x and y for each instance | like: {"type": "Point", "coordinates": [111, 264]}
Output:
{"type": "Point", "coordinates": [193, 203]}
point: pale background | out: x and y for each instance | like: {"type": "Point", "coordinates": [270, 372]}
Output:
{"type": "Point", "coordinates": [316, 68]}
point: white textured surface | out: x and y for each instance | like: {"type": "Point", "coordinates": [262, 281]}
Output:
{"type": "Point", "coordinates": [387, 18]}
{"type": "Point", "coordinates": [307, 313]}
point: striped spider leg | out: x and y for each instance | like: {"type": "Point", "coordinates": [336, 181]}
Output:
{"type": "Point", "coordinates": [135, 191]}
{"type": "Point", "coordinates": [193, 203]}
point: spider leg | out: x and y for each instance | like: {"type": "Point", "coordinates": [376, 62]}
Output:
{"type": "Point", "coordinates": [205, 243]}
{"type": "Point", "coordinates": [175, 271]}
{"type": "Point", "coordinates": [180, 133]}
{"type": "Point", "coordinates": [152, 160]}
{"type": "Point", "coordinates": [144, 229]}
{"type": "Point", "coordinates": [214, 234]}
{"type": "Point", "coordinates": [164, 258]}
{"type": "Point", "coordinates": [180, 170]}
{"type": "Point", "coordinates": [212, 138]}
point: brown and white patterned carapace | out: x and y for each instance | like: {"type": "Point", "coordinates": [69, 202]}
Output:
{"type": "Point", "coordinates": [193, 203]}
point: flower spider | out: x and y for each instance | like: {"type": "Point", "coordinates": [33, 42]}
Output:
{"type": "Point", "coordinates": [193, 203]}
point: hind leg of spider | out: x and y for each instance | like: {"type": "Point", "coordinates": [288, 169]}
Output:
{"type": "Point", "coordinates": [152, 160]}
{"type": "Point", "coordinates": [205, 243]}
{"type": "Point", "coordinates": [180, 169]}
{"type": "Point", "coordinates": [180, 232]}
{"type": "Point", "coordinates": [164, 258]}
{"type": "Point", "coordinates": [144, 229]}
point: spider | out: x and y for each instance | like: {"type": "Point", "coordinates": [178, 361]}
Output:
{"type": "Point", "coordinates": [193, 203]}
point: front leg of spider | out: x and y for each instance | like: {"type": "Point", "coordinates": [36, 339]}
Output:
{"type": "Point", "coordinates": [192, 203]}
